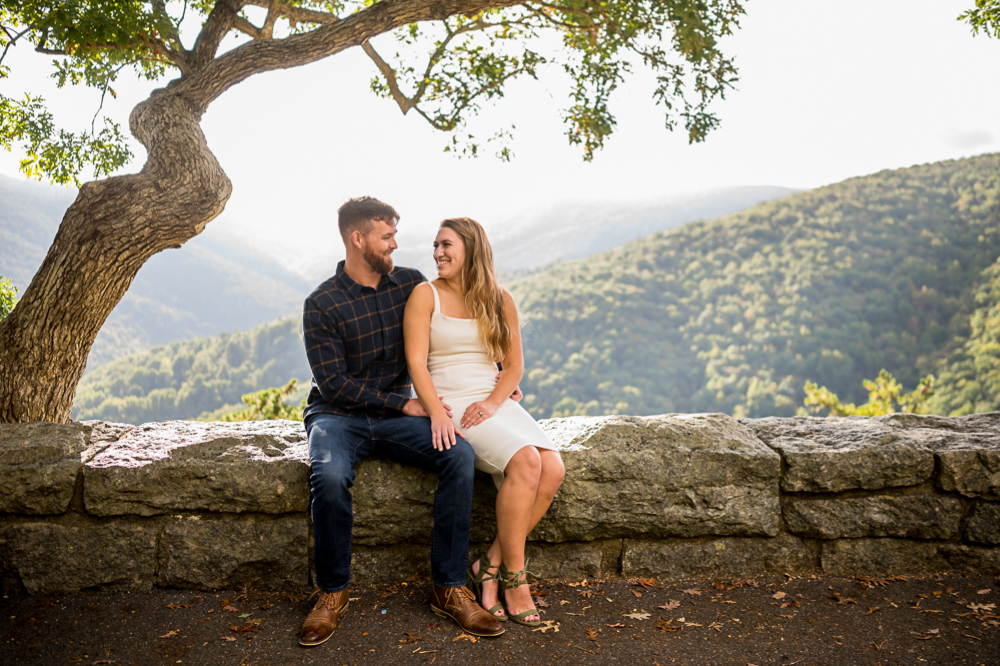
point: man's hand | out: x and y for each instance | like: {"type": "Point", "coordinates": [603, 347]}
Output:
{"type": "Point", "coordinates": [516, 396]}
{"type": "Point", "coordinates": [414, 408]}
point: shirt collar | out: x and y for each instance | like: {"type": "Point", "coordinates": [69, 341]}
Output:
{"type": "Point", "coordinates": [347, 283]}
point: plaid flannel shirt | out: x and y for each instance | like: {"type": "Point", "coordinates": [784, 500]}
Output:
{"type": "Point", "coordinates": [354, 343]}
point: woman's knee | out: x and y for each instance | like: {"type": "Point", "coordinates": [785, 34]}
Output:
{"type": "Point", "coordinates": [525, 465]}
{"type": "Point", "coordinates": [553, 472]}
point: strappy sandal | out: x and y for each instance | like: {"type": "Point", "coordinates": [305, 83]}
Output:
{"type": "Point", "coordinates": [512, 581]}
{"type": "Point", "coordinates": [475, 583]}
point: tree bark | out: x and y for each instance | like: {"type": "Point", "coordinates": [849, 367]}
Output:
{"type": "Point", "coordinates": [107, 234]}
{"type": "Point", "coordinates": [116, 225]}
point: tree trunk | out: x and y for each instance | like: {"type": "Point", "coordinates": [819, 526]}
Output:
{"type": "Point", "coordinates": [109, 232]}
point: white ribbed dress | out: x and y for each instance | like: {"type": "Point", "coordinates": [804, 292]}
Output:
{"type": "Point", "coordinates": [463, 373]}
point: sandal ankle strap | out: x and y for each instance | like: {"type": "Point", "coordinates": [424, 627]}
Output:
{"type": "Point", "coordinates": [512, 581]}
{"type": "Point", "coordinates": [484, 574]}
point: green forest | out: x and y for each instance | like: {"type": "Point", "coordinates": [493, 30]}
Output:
{"type": "Point", "coordinates": [895, 271]}
{"type": "Point", "coordinates": [832, 285]}
{"type": "Point", "coordinates": [183, 380]}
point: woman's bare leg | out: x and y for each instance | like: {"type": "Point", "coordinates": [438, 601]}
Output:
{"type": "Point", "coordinates": [549, 479]}
{"type": "Point", "coordinates": [515, 501]}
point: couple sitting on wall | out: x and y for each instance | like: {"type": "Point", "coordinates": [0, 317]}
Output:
{"type": "Point", "coordinates": [369, 331]}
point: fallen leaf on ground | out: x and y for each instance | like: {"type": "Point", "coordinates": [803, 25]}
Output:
{"type": "Point", "coordinates": [646, 582]}
{"type": "Point", "coordinates": [842, 600]}
{"type": "Point", "coordinates": [637, 593]}
{"type": "Point", "coordinates": [637, 616]}
{"type": "Point", "coordinates": [541, 603]}
{"type": "Point", "coordinates": [984, 591]}
{"type": "Point", "coordinates": [563, 602]}
{"type": "Point", "coordinates": [546, 625]}
{"type": "Point", "coordinates": [616, 624]}
{"type": "Point", "coordinates": [671, 605]}
{"type": "Point", "coordinates": [592, 634]}
{"type": "Point", "coordinates": [692, 591]}
{"type": "Point", "coordinates": [266, 606]}
{"type": "Point", "coordinates": [464, 636]}
{"type": "Point", "coordinates": [252, 625]}
{"type": "Point", "coordinates": [412, 637]}
{"type": "Point", "coordinates": [982, 607]}
{"type": "Point", "coordinates": [666, 625]}
{"type": "Point", "coordinates": [169, 634]}
{"type": "Point", "coordinates": [779, 595]}
{"type": "Point", "coordinates": [228, 638]}
{"type": "Point", "coordinates": [174, 606]}
{"type": "Point", "coordinates": [871, 609]}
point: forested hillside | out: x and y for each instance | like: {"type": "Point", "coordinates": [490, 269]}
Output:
{"type": "Point", "coordinates": [895, 270]}
{"type": "Point", "coordinates": [735, 314]}
{"type": "Point", "coordinates": [969, 382]}
{"type": "Point", "coordinates": [183, 379]}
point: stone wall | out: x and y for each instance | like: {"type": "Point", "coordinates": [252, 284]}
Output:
{"type": "Point", "coordinates": [217, 505]}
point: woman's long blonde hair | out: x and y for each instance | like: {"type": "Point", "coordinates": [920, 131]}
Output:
{"type": "Point", "coordinates": [483, 295]}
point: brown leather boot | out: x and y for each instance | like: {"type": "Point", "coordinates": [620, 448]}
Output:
{"type": "Point", "coordinates": [460, 605]}
{"type": "Point", "coordinates": [324, 618]}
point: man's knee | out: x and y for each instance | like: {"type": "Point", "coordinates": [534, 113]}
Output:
{"type": "Point", "coordinates": [459, 459]}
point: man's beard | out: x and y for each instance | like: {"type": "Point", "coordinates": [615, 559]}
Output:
{"type": "Point", "coordinates": [380, 263]}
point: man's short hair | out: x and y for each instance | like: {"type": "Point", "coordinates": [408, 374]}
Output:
{"type": "Point", "coordinates": [357, 214]}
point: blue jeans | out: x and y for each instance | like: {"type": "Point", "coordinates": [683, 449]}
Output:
{"type": "Point", "coordinates": [338, 443]}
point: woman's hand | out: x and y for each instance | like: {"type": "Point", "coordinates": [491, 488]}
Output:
{"type": "Point", "coordinates": [477, 412]}
{"type": "Point", "coordinates": [443, 433]}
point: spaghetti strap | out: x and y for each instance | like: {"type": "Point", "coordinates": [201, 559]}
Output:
{"type": "Point", "coordinates": [437, 299]}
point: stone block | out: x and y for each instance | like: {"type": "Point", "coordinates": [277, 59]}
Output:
{"type": "Point", "coordinates": [189, 466]}
{"type": "Point", "coordinates": [40, 463]}
{"type": "Point", "coordinates": [661, 476]}
{"type": "Point", "coordinates": [679, 559]}
{"type": "Point", "coordinates": [921, 516]}
{"type": "Point", "coordinates": [565, 560]}
{"type": "Point", "coordinates": [395, 504]}
{"type": "Point", "coordinates": [967, 449]}
{"type": "Point", "coordinates": [982, 525]}
{"type": "Point", "coordinates": [206, 554]}
{"type": "Point", "coordinates": [837, 454]}
{"type": "Point", "coordinates": [55, 559]}
{"type": "Point", "coordinates": [385, 565]}
{"type": "Point", "coordinates": [972, 560]}
{"type": "Point", "coordinates": [881, 557]}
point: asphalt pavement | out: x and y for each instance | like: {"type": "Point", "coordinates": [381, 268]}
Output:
{"type": "Point", "coordinates": [805, 620]}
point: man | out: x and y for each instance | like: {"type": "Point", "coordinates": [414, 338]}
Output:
{"type": "Point", "coordinates": [360, 405]}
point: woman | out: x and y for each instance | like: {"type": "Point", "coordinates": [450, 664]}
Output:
{"type": "Point", "coordinates": [456, 329]}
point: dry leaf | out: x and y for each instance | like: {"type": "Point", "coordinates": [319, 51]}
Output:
{"type": "Point", "coordinates": [616, 624]}
{"type": "Point", "coordinates": [540, 603]}
{"type": "Point", "coordinates": [670, 605]}
{"type": "Point", "coordinates": [174, 606]}
{"type": "Point", "coordinates": [169, 634]}
{"type": "Point", "coordinates": [592, 634]}
{"type": "Point", "coordinates": [464, 636]}
{"type": "Point", "coordinates": [984, 591]}
{"type": "Point", "coordinates": [636, 593]}
{"type": "Point", "coordinates": [228, 638]}
{"type": "Point", "coordinates": [779, 595]}
{"type": "Point", "coordinates": [638, 616]}
{"type": "Point", "coordinates": [546, 625]}
{"type": "Point", "coordinates": [982, 607]}
{"type": "Point", "coordinates": [666, 625]}
{"type": "Point", "coordinates": [411, 637]}
{"type": "Point", "coordinates": [692, 591]}
{"type": "Point", "coordinates": [563, 602]}
{"type": "Point", "coordinates": [871, 609]}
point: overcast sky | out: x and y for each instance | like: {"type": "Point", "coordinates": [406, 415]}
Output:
{"type": "Point", "coordinates": [828, 89]}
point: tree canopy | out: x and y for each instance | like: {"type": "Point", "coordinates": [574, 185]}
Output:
{"type": "Point", "coordinates": [443, 69]}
